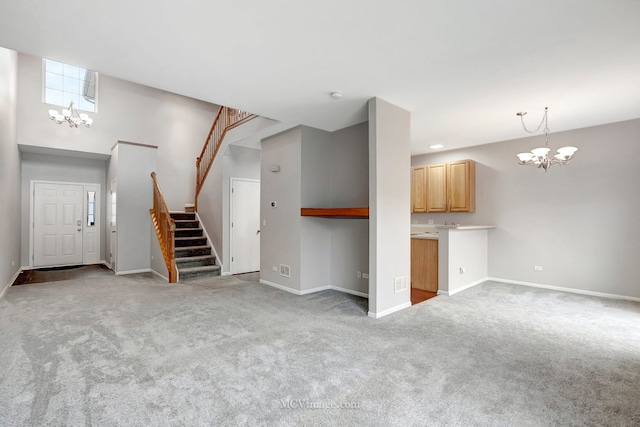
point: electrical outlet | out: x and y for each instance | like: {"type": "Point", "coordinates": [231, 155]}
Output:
{"type": "Point", "coordinates": [430, 222]}
{"type": "Point", "coordinates": [359, 274]}
{"type": "Point", "coordinates": [13, 263]}
{"type": "Point", "coordinates": [365, 275]}
{"type": "Point", "coordinates": [274, 268]}
{"type": "Point", "coordinates": [537, 268]}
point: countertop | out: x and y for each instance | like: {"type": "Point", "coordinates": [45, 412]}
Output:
{"type": "Point", "coordinates": [428, 236]}
{"type": "Point", "coordinates": [465, 227]}
{"type": "Point", "coordinates": [430, 231]}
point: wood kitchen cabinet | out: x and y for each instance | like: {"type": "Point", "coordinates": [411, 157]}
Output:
{"type": "Point", "coordinates": [437, 188]}
{"type": "Point", "coordinates": [448, 187]}
{"type": "Point", "coordinates": [461, 179]}
{"type": "Point", "coordinates": [418, 189]}
{"type": "Point", "coordinates": [424, 264]}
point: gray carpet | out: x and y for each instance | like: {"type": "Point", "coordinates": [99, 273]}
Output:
{"type": "Point", "coordinates": [133, 351]}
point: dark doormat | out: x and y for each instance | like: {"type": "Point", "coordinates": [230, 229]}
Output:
{"type": "Point", "coordinates": [55, 274]}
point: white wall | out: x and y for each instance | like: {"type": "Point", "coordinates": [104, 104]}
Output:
{"type": "Point", "coordinates": [579, 222]}
{"type": "Point", "coordinates": [467, 249]}
{"type": "Point", "coordinates": [46, 167]}
{"type": "Point", "coordinates": [389, 199]}
{"type": "Point", "coordinates": [9, 170]}
{"type": "Point", "coordinates": [126, 112]}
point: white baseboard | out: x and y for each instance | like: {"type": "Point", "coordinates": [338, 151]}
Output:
{"type": "Point", "coordinates": [155, 273]}
{"type": "Point", "coordinates": [389, 311]}
{"type": "Point", "coordinates": [313, 290]}
{"type": "Point", "coordinates": [8, 285]}
{"type": "Point", "coordinates": [349, 291]}
{"type": "Point", "coordinates": [293, 291]}
{"type": "Point", "coordinates": [465, 287]}
{"type": "Point", "coordinates": [123, 273]}
{"type": "Point", "coordinates": [106, 264]}
{"type": "Point", "coordinates": [563, 289]}
{"type": "Point", "coordinates": [226, 273]}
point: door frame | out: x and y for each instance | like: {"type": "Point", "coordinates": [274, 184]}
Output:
{"type": "Point", "coordinates": [98, 217]}
{"type": "Point", "coordinates": [231, 181]}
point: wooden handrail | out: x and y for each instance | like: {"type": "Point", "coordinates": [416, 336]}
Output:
{"type": "Point", "coordinates": [226, 119]}
{"type": "Point", "coordinates": [165, 229]}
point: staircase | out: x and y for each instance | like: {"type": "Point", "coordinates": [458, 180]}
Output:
{"type": "Point", "coordinates": [184, 246]}
{"type": "Point", "coordinates": [193, 253]}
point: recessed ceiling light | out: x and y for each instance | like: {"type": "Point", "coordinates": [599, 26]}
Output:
{"type": "Point", "coordinates": [336, 95]}
{"type": "Point", "coordinates": [436, 146]}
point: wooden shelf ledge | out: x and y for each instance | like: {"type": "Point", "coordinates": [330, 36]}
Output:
{"type": "Point", "coordinates": [336, 212]}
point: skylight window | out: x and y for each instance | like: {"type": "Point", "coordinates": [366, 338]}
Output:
{"type": "Point", "coordinates": [64, 83]}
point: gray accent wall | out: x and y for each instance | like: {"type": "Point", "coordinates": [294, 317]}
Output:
{"type": "Point", "coordinates": [322, 170]}
{"type": "Point", "coordinates": [238, 162]}
{"type": "Point", "coordinates": [578, 222]}
{"type": "Point", "coordinates": [280, 230]}
{"type": "Point", "coordinates": [9, 170]}
{"type": "Point", "coordinates": [134, 200]}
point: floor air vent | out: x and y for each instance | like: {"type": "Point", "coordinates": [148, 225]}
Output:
{"type": "Point", "coordinates": [285, 270]}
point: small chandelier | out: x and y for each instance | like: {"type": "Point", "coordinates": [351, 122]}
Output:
{"type": "Point", "coordinates": [71, 116]}
{"type": "Point", "coordinates": [538, 157]}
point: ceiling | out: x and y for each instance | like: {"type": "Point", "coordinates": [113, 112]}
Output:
{"type": "Point", "coordinates": [463, 68]}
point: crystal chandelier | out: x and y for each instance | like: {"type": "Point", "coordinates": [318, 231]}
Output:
{"type": "Point", "coordinates": [71, 116]}
{"type": "Point", "coordinates": [539, 157]}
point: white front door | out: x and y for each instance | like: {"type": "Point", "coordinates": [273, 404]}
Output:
{"type": "Point", "coordinates": [57, 224]}
{"type": "Point", "coordinates": [245, 226]}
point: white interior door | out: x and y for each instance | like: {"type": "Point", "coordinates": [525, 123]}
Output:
{"type": "Point", "coordinates": [245, 226]}
{"type": "Point", "coordinates": [57, 224]}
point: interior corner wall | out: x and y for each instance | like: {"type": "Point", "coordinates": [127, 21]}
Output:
{"type": "Point", "coordinates": [127, 111]}
{"type": "Point", "coordinates": [315, 192]}
{"type": "Point", "coordinates": [10, 243]}
{"type": "Point", "coordinates": [45, 167]}
{"type": "Point", "coordinates": [280, 230]}
{"type": "Point", "coordinates": [389, 199]}
{"type": "Point", "coordinates": [578, 222]}
{"type": "Point", "coordinates": [349, 171]}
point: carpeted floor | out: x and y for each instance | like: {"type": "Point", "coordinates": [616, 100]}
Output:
{"type": "Point", "coordinates": [134, 351]}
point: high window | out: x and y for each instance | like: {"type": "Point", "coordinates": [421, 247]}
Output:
{"type": "Point", "coordinates": [64, 83]}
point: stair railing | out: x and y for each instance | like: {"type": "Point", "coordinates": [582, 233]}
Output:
{"type": "Point", "coordinates": [165, 229]}
{"type": "Point", "coordinates": [226, 119]}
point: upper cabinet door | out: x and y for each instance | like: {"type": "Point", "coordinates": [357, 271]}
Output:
{"type": "Point", "coordinates": [418, 189]}
{"type": "Point", "coordinates": [437, 188]}
{"type": "Point", "coordinates": [462, 186]}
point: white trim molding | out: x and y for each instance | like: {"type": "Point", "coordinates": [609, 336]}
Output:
{"type": "Point", "coordinates": [124, 273]}
{"type": "Point", "coordinates": [389, 311]}
{"type": "Point", "coordinates": [563, 289]}
{"type": "Point", "coordinates": [313, 290]}
{"type": "Point", "coordinates": [8, 285]}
